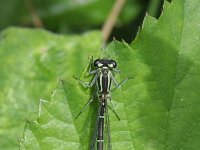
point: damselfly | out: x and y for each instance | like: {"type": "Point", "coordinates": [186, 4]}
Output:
{"type": "Point", "coordinates": [103, 78]}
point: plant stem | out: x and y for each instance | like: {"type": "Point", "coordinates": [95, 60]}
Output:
{"type": "Point", "coordinates": [37, 22]}
{"type": "Point", "coordinates": [110, 21]}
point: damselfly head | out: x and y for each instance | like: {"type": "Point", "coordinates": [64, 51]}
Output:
{"type": "Point", "coordinates": [99, 63]}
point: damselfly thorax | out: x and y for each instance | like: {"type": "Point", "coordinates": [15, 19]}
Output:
{"type": "Point", "coordinates": [104, 80]}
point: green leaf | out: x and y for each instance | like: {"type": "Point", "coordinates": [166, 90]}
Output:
{"type": "Point", "coordinates": [167, 112]}
{"type": "Point", "coordinates": [32, 62]}
{"type": "Point", "coordinates": [159, 108]}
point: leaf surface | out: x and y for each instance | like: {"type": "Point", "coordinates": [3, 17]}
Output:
{"type": "Point", "coordinates": [32, 62]}
{"type": "Point", "coordinates": [159, 108]}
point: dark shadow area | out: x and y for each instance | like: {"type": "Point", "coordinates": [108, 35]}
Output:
{"type": "Point", "coordinates": [129, 31]}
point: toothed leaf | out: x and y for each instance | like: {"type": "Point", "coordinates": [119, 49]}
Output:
{"type": "Point", "coordinates": [158, 108]}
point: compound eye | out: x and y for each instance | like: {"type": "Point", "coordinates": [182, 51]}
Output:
{"type": "Point", "coordinates": [113, 64]}
{"type": "Point", "coordinates": [96, 62]}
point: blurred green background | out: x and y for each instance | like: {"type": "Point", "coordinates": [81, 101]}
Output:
{"type": "Point", "coordinates": [77, 16]}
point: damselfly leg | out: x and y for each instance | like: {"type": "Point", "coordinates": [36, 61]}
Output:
{"type": "Point", "coordinates": [88, 85]}
{"type": "Point", "coordinates": [113, 109]}
{"type": "Point", "coordinates": [86, 105]}
{"type": "Point", "coordinates": [118, 85]}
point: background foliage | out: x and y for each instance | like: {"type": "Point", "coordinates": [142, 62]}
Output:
{"type": "Point", "coordinates": [159, 109]}
{"type": "Point", "coordinates": [77, 16]}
